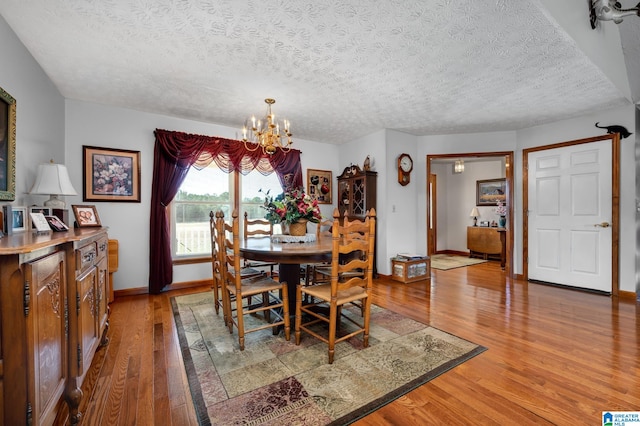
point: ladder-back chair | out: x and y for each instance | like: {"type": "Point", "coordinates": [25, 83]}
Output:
{"type": "Point", "coordinates": [351, 281]}
{"type": "Point", "coordinates": [275, 299]}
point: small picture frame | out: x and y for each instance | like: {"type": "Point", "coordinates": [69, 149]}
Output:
{"type": "Point", "coordinates": [39, 222]}
{"type": "Point", "coordinates": [484, 223]}
{"type": "Point", "coordinates": [56, 224]}
{"type": "Point", "coordinates": [86, 216]}
{"type": "Point", "coordinates": [19, 219]}
{"type": "Point", "coordinates": [46, 211]}
{"type": "Point", "coordinates": [320, 185]}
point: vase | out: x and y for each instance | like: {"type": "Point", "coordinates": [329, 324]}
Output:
{"type": "Point", "coordinates": [285, 228]}
{"type": "Point", "coordinates": [502, 221]}
{"type": "Point", "coordinates": [298, 228]}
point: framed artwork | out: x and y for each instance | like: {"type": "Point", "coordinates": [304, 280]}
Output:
{"type": "Point", "coordinates": [490, 191]}
{"type": "Point", "coordinates": [7, 146]}
{"type": "Point", "coordinates": [86, 216]}
{"type": "Point", "coordinates": [320, 185]}
{"type": "Point", "coordinates": [111, 174]}
{"type": "Point", "coordinates": [19, 221]}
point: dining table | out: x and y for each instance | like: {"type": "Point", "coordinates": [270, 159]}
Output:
{"type": "Point", "coordinates": [289, 256]}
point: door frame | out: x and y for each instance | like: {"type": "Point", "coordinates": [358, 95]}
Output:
{"type": "Point", "coordinates": [615, 202]}
{"type": "Point", "coordinates": [508, 156]}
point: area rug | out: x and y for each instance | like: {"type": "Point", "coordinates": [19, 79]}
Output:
{"type": "Point", "coordinates": [449, 261]}
{"type": "Point", "coordinates": [275, 382]}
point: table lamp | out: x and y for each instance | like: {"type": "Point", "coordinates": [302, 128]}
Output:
{"type": "Point", "coordinates": [474, 214]}
{"type": "Point", "coordinates": [53, 180]}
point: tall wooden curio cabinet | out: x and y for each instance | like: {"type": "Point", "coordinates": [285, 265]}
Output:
{"type": "Point", "coordinates": [357, 195]}
{"type": "Point", "coordinates": [356, 192]}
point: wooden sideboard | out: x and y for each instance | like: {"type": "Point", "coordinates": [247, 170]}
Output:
{"type": "Point", "coordinates": [487, 243]}
{"type": "Point", "coordinates": [53, 317]}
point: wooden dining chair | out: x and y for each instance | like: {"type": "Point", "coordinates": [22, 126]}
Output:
{"type": "Point", "coordinates": [217, 282]}
{"type": "Point", "coordinates": [321, 273]}
{"type": "Point", "coordinates": [351, 237]}
{"type": "Point", "coordinates": [323, 230]}
{"type": "Point", "coordinates": [275, 300]}
{"type": "Point", "coordinates": [256, 228]}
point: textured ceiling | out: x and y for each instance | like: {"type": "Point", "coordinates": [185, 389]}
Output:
{"type": "Point", "coordinates": [338, 70]}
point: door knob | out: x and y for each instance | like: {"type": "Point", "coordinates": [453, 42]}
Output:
{"type": "Point", "coordinates": [602, 225]}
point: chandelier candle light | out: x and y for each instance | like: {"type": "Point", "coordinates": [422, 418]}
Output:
{"type": "Point", "coordinates": [267, 133]}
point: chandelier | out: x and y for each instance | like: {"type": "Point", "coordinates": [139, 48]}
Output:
{"type": "Point", "coordinates": [267, 133]}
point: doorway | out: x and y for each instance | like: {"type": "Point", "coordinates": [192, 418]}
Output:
{"type": "Point", "coordinates": [434, 197]}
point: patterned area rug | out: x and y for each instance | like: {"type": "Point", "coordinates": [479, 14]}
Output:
{"type": "Point", "coordinates": [275, 382]}
{"type": "Point", "coordinates": [449, 261]}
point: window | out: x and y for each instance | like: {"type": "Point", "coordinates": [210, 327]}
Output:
{"type": "Point", "coordinates": [254, 188]}
{"type": "Point", "coordinates": [211, 189]}
{"type": "Point", "coordinates": [201, 192]}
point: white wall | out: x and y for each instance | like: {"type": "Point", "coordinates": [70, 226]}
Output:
{"type": "Point", "coordinates": [457, 197]}
{"type": "Point", "coordinates": [398, 203]}
{"type": "Point", "coordinates": [39, 114]}
{"type": "Point", "coordinates": [110, 127]}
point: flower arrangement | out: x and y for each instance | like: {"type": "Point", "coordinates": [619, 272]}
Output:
{"type": "Point", "coordinates": [501, 210]}
{"type": "Point", "coordinates": [291, 206]}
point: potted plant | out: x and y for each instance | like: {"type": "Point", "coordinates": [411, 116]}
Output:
{"type": "Point", "coordinates": [294, 208]}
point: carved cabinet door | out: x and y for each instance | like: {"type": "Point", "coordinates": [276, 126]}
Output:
{"type": "Point", "coordinates": [45, 309]}
{"type": "Point", "coordinates": [87, 319]}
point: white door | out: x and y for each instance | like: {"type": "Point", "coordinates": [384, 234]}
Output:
{"type": "Point", "coordinates": [570, 215]}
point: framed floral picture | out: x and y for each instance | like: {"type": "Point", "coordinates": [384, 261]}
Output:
{"type": "Point", "coordinates": [319, 185]}
{"type": "Point", "coordinates": [111, 174]}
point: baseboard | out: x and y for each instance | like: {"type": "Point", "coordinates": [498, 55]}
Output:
{"type": "Point", "coordinates": [453, 252]}
{"type": "Point", "coordinates": [188, 284]}
{"type": "Point", "coordinates": [130, 292]}
{"type": "Point", "coordinates": [175, 286]}
{"type": "Point", "coordinates": [630, 295]}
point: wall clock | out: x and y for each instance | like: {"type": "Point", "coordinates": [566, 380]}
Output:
{"type": "Point", "coordinates": [405, 166]}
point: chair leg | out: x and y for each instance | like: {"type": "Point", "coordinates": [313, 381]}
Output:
{"type": "Point", "coordinates": [216, 300]}
{"type": "Point", "coordinates": [285, 312]}
{"type": "Point", "coordinates": [298, 312]}
{"type": "Point", "coordinates": [366, 303]}
{"type": "Point", "coordinates": [333, 311]}
{"type": "Point", "coordinates": [240, 321]}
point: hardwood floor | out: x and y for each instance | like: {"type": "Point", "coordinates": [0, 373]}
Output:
{"type": "Point", "coordinates": [555, 356]}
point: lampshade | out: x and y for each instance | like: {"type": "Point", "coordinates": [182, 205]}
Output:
{"type": "Point", "coordinates": [474, 212]}
{"type": "Point", "coordinates": [53, 179]}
